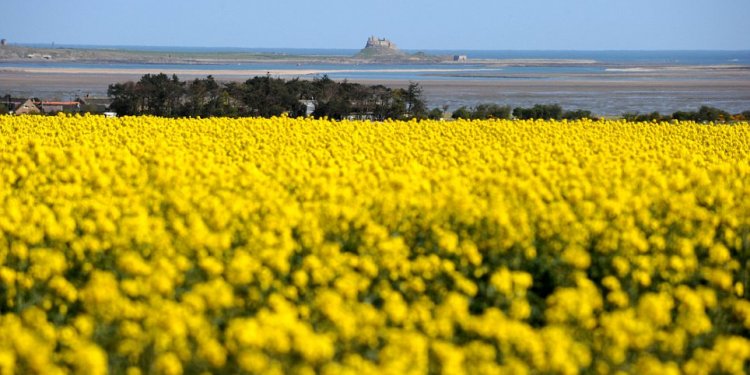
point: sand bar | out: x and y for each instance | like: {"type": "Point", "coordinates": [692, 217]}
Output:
{"type": "Point", "coordinates": [228, 72]}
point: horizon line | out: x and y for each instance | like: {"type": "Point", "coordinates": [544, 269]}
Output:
{"type": "Point", "coordinates": [85, 45]}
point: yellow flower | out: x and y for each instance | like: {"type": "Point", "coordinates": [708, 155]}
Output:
{"type": "Point", "coordinates": [168, 364]}
{"type": "Point", "coordinates": [89, 359]}
{"type": "Point", "coordinates": [151, 245]}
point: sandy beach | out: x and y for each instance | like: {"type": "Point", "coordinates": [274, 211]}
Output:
{"type": "Point", "coordinates": [226, 72]}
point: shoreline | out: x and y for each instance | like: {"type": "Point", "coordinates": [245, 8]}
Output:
{"type": "Point", "coordinates": [23, 54]}
{"type": "Point", "coordinates": [651, 79]}
{"type": "Point", "coordinates": [226, 72]}
{"type": "Point", "coordinates": [685, 76]}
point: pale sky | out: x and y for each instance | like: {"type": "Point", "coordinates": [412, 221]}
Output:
{"type": "Point", "coordinates": [411, 24]}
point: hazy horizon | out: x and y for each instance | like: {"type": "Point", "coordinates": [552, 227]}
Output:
{"type": "Point", "coordinates": [479, 25]}
{"type": "Point", "coordinates": [134, 46]}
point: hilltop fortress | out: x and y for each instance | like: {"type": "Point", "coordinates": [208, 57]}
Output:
{"type": "Point", "coordinates": [374, 42]}
{"type": "Point", "coordinates": [380, 49]}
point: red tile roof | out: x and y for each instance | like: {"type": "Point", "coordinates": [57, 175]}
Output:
{"type": "Point", "coordinates": [60, 103]}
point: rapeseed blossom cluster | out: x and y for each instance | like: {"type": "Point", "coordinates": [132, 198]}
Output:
{"type": "Point", "coordinates": [143, 245]}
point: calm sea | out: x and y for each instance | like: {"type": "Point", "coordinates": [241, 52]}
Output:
{"type": "Point", "coordinates": [607, 57]}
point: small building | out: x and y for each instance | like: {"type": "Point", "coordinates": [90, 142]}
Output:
{"type": "Point", "coordinates": [26, 107]}
{"type": "Point", "coordinates": [3, 42]}
{"type": "Point", "coordinates": [460, 58]}
{"type": "Point", "coordinates": [51, 108]}
{"type": "Point", "coordinates": [93, 104]}
{"type": "Point", "coordinates": [54, 107]}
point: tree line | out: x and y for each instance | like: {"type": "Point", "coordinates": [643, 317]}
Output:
{"type": "Point", "coordinates": [539, 111]}
{"type": "Point", "coordinates": [265, 96]}
{"type": "Point", "coordinates": [703, 114]}
{"type": "Point", "coordinates": [555, 112]}
{"type": "Point", "coordinates": [162, 95]}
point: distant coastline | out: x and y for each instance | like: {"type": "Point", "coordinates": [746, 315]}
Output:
{"type": "Point", "coordinates": [20, 54]}
{"type": "Point", "coordinates": [227, 55]}
{"type": "Point", "coordinates": [606, 82]}
{"type": "Point", "coordinates": [17, 53]}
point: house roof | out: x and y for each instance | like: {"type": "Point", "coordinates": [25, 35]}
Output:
{"type": "Point", "coordinates": [27, 106]}
{"type": "Point", "coordinates": [60, 103]}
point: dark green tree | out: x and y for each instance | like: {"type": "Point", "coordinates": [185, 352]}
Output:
{"type": "Point", "coordinates": [435, 114]}
{"type": "Point", "coordinates": [684, 116]}
{"type": "Point", "coordinates": [125, 98]}
{"type": "Point", "coordinates": [396, 107]}
{"type": "Point", "coordinates": [462, 113]}
{"type": "Point", "coordinates": [539, 111]}
{"type": "Point", "coordinates": [160, 94]}
{"type": "Point", "coordinates": [336, 108]}
{"type": "Point", "coordinates": [490, 111]}
{"type": "Point", "coordinates": [578, 115]}
{"type": "Point", "coordinates": [202, 98]}
{"type": "Point", "coordinates": [415, 106]}
{"type": "Point", "coordinates": [711, 114]}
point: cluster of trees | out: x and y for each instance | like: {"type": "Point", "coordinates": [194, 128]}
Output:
{"type": "Point", "coordinates": [539, 111]}
{"type": "Point", "coordinates": [161, 95]}
{"type": "Point", "coordinates": [555, 112]}
{"type": "Point", "coordinates": [482, 112]}
{"type": "Point", "coordinates": [550, 112]}
{"type": "Point", "coordinates": [704, 114]}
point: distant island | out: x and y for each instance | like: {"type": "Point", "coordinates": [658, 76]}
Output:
{"type": "Point", "coordinates": [379, 48]}
{"type": "Point", "coordinates": [383, 50]}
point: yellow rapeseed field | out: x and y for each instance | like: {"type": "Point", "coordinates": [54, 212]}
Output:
{"type": "Point", "coordinates": [143, 245]}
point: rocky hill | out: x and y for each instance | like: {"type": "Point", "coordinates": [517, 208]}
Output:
{"type": "Point", "coordinates": [380, 49]}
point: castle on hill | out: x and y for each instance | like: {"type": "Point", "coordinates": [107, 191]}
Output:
{"type": "Point", "coordinates": [374, 42]}
{"type": "Point", "coordinates": [380, 49]}
{"type": "Point", "coordinates": [383, 50]}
